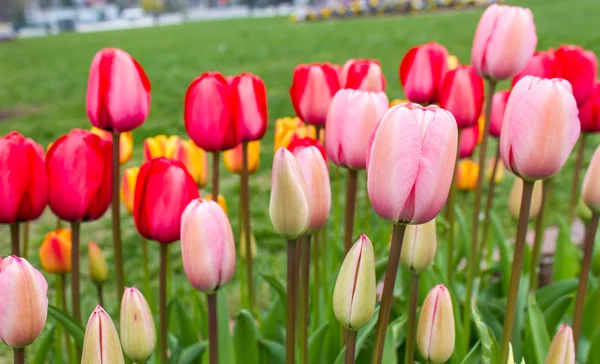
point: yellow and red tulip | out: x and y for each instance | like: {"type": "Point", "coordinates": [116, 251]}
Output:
{"type": "Point", "coordinates": [125, 143]}
{"type": "Point", "coordinates": [55, 252]}
{"type": "Point", "coordinates": [233, 158]}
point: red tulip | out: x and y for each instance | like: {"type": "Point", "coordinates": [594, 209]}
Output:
{"type": "Point", "coordinates": [249, 106]}
{"type": "Point", "coordinates": [312, 90]}
{"type": "Point", "coordinates": [162, 191]}
{"type": "Point", "coordinates": [589, 112]}
{"type": "Point", "coordinates": [297, 144]}
{"type": "Point", "coordinates": [540, 65]}
{"type": "Point", "coordinates": [422, 71]}
{"type": "Point", "coordinates": [362, 74]}
{"type": "Point", "coordinates": [461, 93]}
{"type": "Point", "coordinates": [578, 66]}
{"type": "Point", "coordinates": [468, 141]}
{"type": "Point", "coordinates": [498, 106]}
{"type": "Point", "coordinates": [208, 118]}
{"type": "Point", "coordinates": [118, 94]}
{"type": "Point", "coordinates": [79, 175]}
{"type": "Point", "coordinates": [24, 182]}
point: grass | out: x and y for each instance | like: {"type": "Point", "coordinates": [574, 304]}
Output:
{"type": "Point", "coordinates": [44, 83]}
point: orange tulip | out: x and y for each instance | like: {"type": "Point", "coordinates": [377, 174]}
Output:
{"type": "Point", "coordinates": [481, 126]}
{"type": "Point", "coordinates": [194, 160]}
{"type": "Point", "coordinates": [160, 146]}
{"type": "Point", "coordinates": [55, 252]}
{"type": "Point", "coordinates": [128, 187]}
{"type": "Point", "coordinates": [395, 102]}
{"type": "Point", "coordinates": [221, 201]}
{"type": "Point", "coordinates": [285, 128]}
{"type": "Point", "coordinates": [468, 171]}
{"type": "Point", "coordinates": [125, 143]}
{"type": "Point", "coordinates": [233, 158]}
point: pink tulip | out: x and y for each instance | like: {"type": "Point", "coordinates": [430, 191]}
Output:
{"type": "Point", "coordinates": [352, 118]}
{"type": "Point", "coordinates": [316, 176]}
{"type": "Point", "coordinates": [540, 127]}
{"type": "Point", "coordinates": [23, 302]}
{"type": "Point", "coordinates": [118, 94]}
{"type": "Point", "coordinates": [462, 94]}
{"type": "Point", "coordinates": [468, 141]}
{"type": "Point", "coordinates": [249, 106]}
{"type": "Point", "coordinates": [410, 163]}
{"type": "Point", "coordinates": [579, 67]}
{"type": "Point", "coordinates": [207, 245]}
{"type": "Point", "coordinates": [498, 107]}
{"type": "Point", "coordinates": [505, 41]}
{"type": "Point", "coordinates": [362, 74]}
{"type": "Point", "coordinates": [101, 342]}
{"type": "Point", "coordinates": [590, 191]}
{"type": "Point", "coordinates": [312, 90]}
{"type": "Point", "coordinates": [422, 71]}
{"type": "Point", "coordinates": [589, 112]}
{"type": "Point", "coordinates": [540, 65]}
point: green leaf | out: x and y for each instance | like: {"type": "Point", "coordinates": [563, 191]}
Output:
{"type": "Point", "coordinates": [472, 357]}
{"type": "Point", "coordinates": [193, 353]}
{"type": "Point", "coordinates": [591, 314]}
{"type": "Point", "coordinates": [566, 258]}
{"type": "Point", "coordinates": [226, 349]}
{"type": "Point", "coordinates": [315, 344]}
{"type": "Point", "coordinates": [546, 296]}
{"type": "Point", "coordinates": [73, 328]}
{"type": "Point", "coordinates": [276, 285]}
{"type": "Point", "coordinates": [389, 351]}
{"type": "Point", "coordinates": [537, 340]}
{"type": "Point", "coordinates": [180, 323]}
{"type": "Point", "coordinates": [520, 316]}
{"type": "Point", "coordinates": [44, 343]}
{"type": "Point", "coordinates": [489, 346]}
{"type": "Point", "coordinates": [245, 339]}
{"type": "Point", "coordinates": [270, 328]}
{"type": "Point", "coordinates": [594, 353]}
{"type": "Point", "coordinates": [274, 353]}
{"type": "Point", "coordinates": [463, 230]}
{"type": "Point", "coordinates": [363, 334]}
{"type": "Point", "coordinates": [556, 312]}
{"type": "Point", "coordinates": [504, 250]}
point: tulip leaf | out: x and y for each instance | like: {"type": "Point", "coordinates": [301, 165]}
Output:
{"type": "Point", "coordinates": [472, 357]}
{"type": "Point", "coordinates": [245, 339]}
{"type": "Point", "coordinates": [549, 294]}
{"type": "Point", "coordinates": [554, 314]}
{"type": "Point", "coordinates": [273, 353]}
{"type": "Point", "coordinates": [537, 340]}
{"type": "Point", "coordinates": [174, 347]}
{"type": "Point", "coordinates": [276, 285]}
{"type": "Point", "coordinates": [566, 256]}
{"type": "Point", "coordinates": [192, 353]}
{"type": "Point", "coordinates": [504, 250]}
{"type": "Point", "coordinates": [594, 353]}
{"type": "Point", "coordinates": [73, 328]}
{"type": "Point", "coordinates": [226, 348]}
{"type": "Point", "coordinates": [315, 344]}
{"type": "Point", "coordinates": [363, 334]}
{"type": "Point", "coordinates": [181, 324]}
{"type": "Point", "coordinates": [591, 314]}
{"type": "Point", "coordinates": [270, 328]}
{"type": "Point", "coordinates": [389, 351]}
{"type": "Point", "coordinates": [489, 346]}
{"type": "Point", "coordinates": [463, 230]}
{"type": "Point", "coordinates": [44, 343]}
{"type": "Point", "coordinates": [520, 316]}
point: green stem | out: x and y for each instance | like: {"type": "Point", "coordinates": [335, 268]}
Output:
{"type": "Point", "coordinates": [324, 260]}
{"type": "Point", "coordinates": [163, 304]}
{"type": "Point", "coordinates": [350, 207]}
{"type": "Point", "coordinates": [245, 202]}
{"type": "Point", "coordinates": [450, 215]}
{"type": "Point", "coordinates": [411, 333]}
{"type": "Point", "coordinates": [169, 274]}
{"type": "Point", "coordinates": [25, 239]}
{"type": "Point", "coordinates": [146, 270]}
{"type": "Point", "coordinates": [19, 355]}
{"type": "Point", "coordinates": [75, 291]}
{"type": "Point", "coordinates": [488, 207]}
{"type": "Point", "coordinates": [116, 217]}
{"type": "Point", "coordinates": [58, 223]}
{"type": "Point", "coordinates": [335, 201]}
{"type": "Point", "coordinates": [576, 173]}
{"type": "Point", "coordinates": [540, 227]}
{"type": "Point", "coordinates": [367, 222]}
{"type": "Point", "coordinates": [213, 331]}
{"type": "Point", "coordinates": [14, 239]}
{"type": "Point", "coordinates": [58, 285]}
{"type": "Point", "coordinates": [215, 177]}
{"type": "Point", "coordinates": [291, 303]}
{"type": "Point", "coordinates": [303, 296]}
{"type": "Point", "coordinates": [387, 296]}
{"type": "Point", "coordinates": [350, 346]}
{"type": "Point", "coordinates": [317, 277]}
{"type": "Point", "coordinates": [100, 295]}
{"type": "Point", "coordinates": [517, 268]}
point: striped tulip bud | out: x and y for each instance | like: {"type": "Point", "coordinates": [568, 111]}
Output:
{"type": "Point", "coordinates": [97, 262]}
{"type": "Point", "coordinates": [562, 349]}
{"type": "Point", "coordinates": [418, 248]}
{"type": "Point", "coordinates": [138, 334]}
{"type": "Point", "coordinates": [101, 342]}
{"type": "Point", "coordinates": [435, 332]}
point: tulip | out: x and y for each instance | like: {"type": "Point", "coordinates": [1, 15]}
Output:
{"type": "Point", "coordinates": [101, 342]}
{"type": "Point", "coordinates": [468, 141]}
{"type": "Point", "coordinates": [408, 181]}
{"type": "Point", "coordinates": [233, 158]}
{"type": "Point", "coordinates": [435, 332]}
{"type": "Point", "coordinates": [395, 102]}
{"type": "Point", "coordinates": [498, 108]}
{"type": "Point", "coordinates": [505, 41]}
{"type": "Point", "coordinates": [128, 187]}
{"type": "Point", "coordinates": [316, 176]}
{"type": "Point", "coordinates": [362, 74]}
{"type": "Point", "coordinates": [461, 93]}
{"type": "Point", "coordinates": [453, 62]}
{"type": "Point", "coordinates": [118, 94]}
{"type": "Point", "coordinates": [499, 171]}
{"type": "Point", "coordinates": [313, 87]}
{"type": "Point", "coordinates": [589, 112]}
{"type": "Point", "coordinates": [352, 118]}
{"type": "Point", "coordinates": [208, 118]}
{"type": "Point", "coordinates": [23, 302]}
{"type": "Point", "coordinates": [422, 71]}
{"type": "Point", "coordinates": [511, 356]}
{"type": "Point", "coordinates": [590, 192]}
{"type": "Point", "coordinates": [249, 106]}
{"type": "Point", "coordinates": [467, 173]}
{"type": "Point", "coordinates": [514, 199]}
{"type": "Point", "coordinates": [287, 128]}
{"type": "Point", "coordinates": [540, 65]}
{"type": "Point", "coordinates": [125, 143]}
{"type": "Point", "coordinates": [160, 146]}
{"type": "Point", "coordinates": [562, 349]}
{"type": "Point", "coordinates": [221, 201]}
{"type": "Point", "coordinates": [194, 160]}
{"type": "Point", "coordinates": [418, 248]}
{"type": "Point", "coordinates": [138, 334]}
{"type": "Point", "coordinates": [354, 293]}
{"type": "Point", "coordinates": [297, 144]}
{"type": "Point", "coordinates": [97, 264]}
{"type": "Point", "coordinates": [578, 66]}
{"type": "Point", "coordinates": [163, 190]}
{"type": "Point", "coordinates": [55, 252]}
{"type": "Point", "coordinates": [243, 246]}
{"type": "Point", "coordinates": [540, 127]}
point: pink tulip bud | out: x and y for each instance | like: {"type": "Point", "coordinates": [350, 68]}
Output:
{"type": "Point", "coordinates": [101, 342]}
{"type": "Point", "coordinates": [589, 112]}
{"type": "Point", "coordinates": [562, 349]}
{"type": "Point", "coordinates": [590, 192]}
{"type": "Point", "coordinates": [579, 67]}
{"type": "Point", "coordinates": [362, 74]}
{"type": "Point", "coordinates": [207, 246]}
{"type": "Point", "coordinates": [468, 141]}
{"type": "Point", "coordinates": [249, 106]}
{"type": "Point", "coordinates": [498, 107]}
{"type": "Point", "coordinates": [351, 121]}
{"type": "Point", "coordinates": [505, 41]}
{"type": "Point", "coordinates": [435, 331]}
{"type": "Point", "coordinates": [138, 333]}
{"type": "Point", "coordinates": [316, 176]}
{"type": "Point", "coordinates": [23, 302]}
{"type": "Point", "coordinates": [540, 65]}
{"type": "Point", "coordinates": [540, 127]}
{"type": "Point", "coordinates": [422, 71]}
{"type": "Point", "coordinates": [461, 93]}
{"type": "Point", "coordinates": [313, 87]}
{"type": "Point", "coordinates": [410, 163]}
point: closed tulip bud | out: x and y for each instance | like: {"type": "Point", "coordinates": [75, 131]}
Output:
{"type": "Point", "coordinates": [583, 212]}
{"type": "Point", "coordinates": [453, 62]}
{"type": "Point", "coordinates": [288, 207]}
{"type": "Point", "coordinates": [97, 264]}
{"type": "Point", "coordinates": [79, 174]}
{"type": "Point", "coordinates": [23, 302]}
{"type": "Point", "coordinates": [160, 146]}
{"type": "Point", "coordinates": [467, 173]}
{"type": "Point", "coordinates": [419, 246]}
{"type": "Point", "coordinates": [24, 183]}
{"type": "Point", "coordinates": [55, 252]}
{"type": "Point", "coordinates": [505, 41]}
{"type": "Point", "coordinates": [540, 127]}
{"type": "Point", "coordinates": [511, 356]}
{"type": "Point", "coordinates": [422, 71]}
{"type": "Point", "coordinates": [409, 181]}
{"type": "Point", "coordinates": [499, 171]}
{"type": "Point", "coordinates": [298, 144]}
{"type": "Point", "coordinates": [516, 193]}
{"type": "Point", "coordinates": [243, 246]}
{"type": "Point", "coordinates": [469, 138]}
{"type": "Point", "coordinates": [138, 333]}
{"type": "Point", "coordinates": [589, 112]}
{"type": "Point", "coordinates": [221, 201]}
{"type": "Point", "coordinates": [540, 65]}
{"type": "Point", "coordinates": [590, 192]}
{"type": "Point", "coordinates": [579, 67]}
{"type": "Point", "coordinates": [498, 107]}
{"type": "Point", "coordinates": [118, 93]}
{"type": "Point", "coordinates": [125, 142]}
{"type": "Point", "coordinates": [208, 118]}
{"type": "Point", "coordinates": [194, 160]}
{"type": "Point", "coordinates": [362, 74]}
{"type": "Point", "coordinates": [316, 176]}
{"type": "Point", "coordinates": [285, 129]}
{"type": "Point", "coordinates": [461, 93]}
{"type": "Point", "coordinates": [395, 102]}
{"type": "Point", "coordinates": [562, 349]}
{"type": "Point", "coordinates": [163, 190]}
{"type": "Point", "coordinates": [249, 106]}
{"type": "Point", "coordinates": [101, 342]}
{"type": "Point", "coordinates": [313, 87]}
{"type": "Point", "coordinates": [233, 158]}
{"type": "Point", "coordinates": [128, 187]}
{"type": "Point", "coordinates": [352, 118]}
{"type": "Point", "coordinates": [435, 331]}
{"type": "Point", "coordinates": [207, 246]}
{"type": "Point", "coordinates": [355, 289]}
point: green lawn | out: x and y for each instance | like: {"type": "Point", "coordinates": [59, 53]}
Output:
{"type": "Point", "coordinates": [44, 82]}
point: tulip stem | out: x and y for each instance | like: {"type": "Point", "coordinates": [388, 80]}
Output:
{"type": "Point", "coordinates": [350, 346]}
{"type": "Point", "coordinates": [540, 227]}
{"type": "Point", "coordinates": [317, 277]}
{"type": "Point", "coordinates": [59, 286]}
{"type": "Point", "coordinates": [213, 332]}
{"type": "Point", "coordinates": [146, 271]}
{"type": "Point", "coordinates": [517, 268]}
{"type": "Point", "coordinates": [245, 197]}
{"type": "Point", "coordinates": [215, 176]}
{"type": "Point", "coordinates": [14, 238]}
{"type": "Point", "coordinates": [163, 304]}
{"type": "Point", "coordinates": [58, 223]}
{"type": "Point", "coordinates": [387, 296]}
{"type": "Point", "coordinates": [62, 292]}
{"type": "Point", "coordinates": [291, 303]}
{"type": "Point", "coordinates": [335, 201]}
{"type": "Point", "coordinates": [350, 207]}
{"type": "Point", "coordinates": [412, 318]}
{"type": "Point", "coordinates": [116, 218]}
{"type": "Point", "coordinates": [367, 222]}
{"type": "Point", "coordinates": [303, 295]}
{"type": "Point", "coordinates": [25, 239]}
{"type": "Point", "coordinates": [588, 249]}
{"type": "Point", "coordinates": [472, 260]}
{"type": "Point", "coordinates": [75, 292]}
{"type": "Point", "coordinates": [450, 215]}
{"type": "Point", "coordinates": [19, 355]}
{"type": "Point", "coordinates": [488, 206]}
{"type": "Point", "coordinates": [576, 173]}
{"type": "Point", "coordinates": [100, 295]}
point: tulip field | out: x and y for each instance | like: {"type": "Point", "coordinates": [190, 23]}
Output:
{"type": "Point", "coordinates": [422, 188]}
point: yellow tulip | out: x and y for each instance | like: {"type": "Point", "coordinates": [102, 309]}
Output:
{"type": "Point", "coordinates": [285, 128]}
{"type": "Point", "coordinates": [194, 160]}
{"type": "Point", "coordinates": [395, 102]}
{"type": "Point", "coordinates": [125, 143]}
{"type": "Point", "coordinates": [453, 62]}
{"type": "Point", "coordinates": [128, 187]}
{"type": "Point", "coordinates": [233, 158]}
{"type": "Point", "coordinates": [481, 125]}
{"type": "Point", "coordinates": [160, 146]}
{"type": "Point", "coordinates": [468, 171]}
{"type": "Point", "coordinates": [221, 201]}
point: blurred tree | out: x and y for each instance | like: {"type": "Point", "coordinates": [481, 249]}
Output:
{"type": "Point", "coordinates": [152, 6]}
